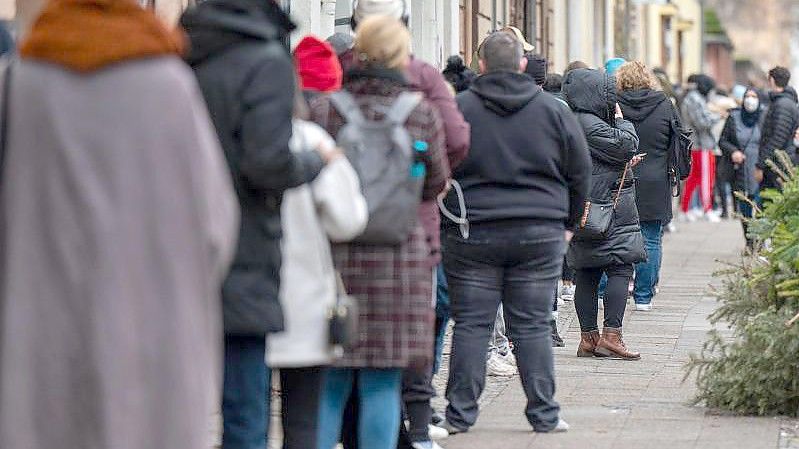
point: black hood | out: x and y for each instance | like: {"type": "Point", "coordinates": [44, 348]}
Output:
{"type": "Point", "coordinates": [505, 93]}
{"type": "Point", "coordinates": [591, 91]}
{"type": "Point", "coordinates": [215, 25]}
{"type": "Point", "coordinates": [789, 92]}
{"type": "Point", "coordinates": [639, 104]}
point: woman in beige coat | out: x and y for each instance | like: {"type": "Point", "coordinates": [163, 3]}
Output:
{"type": "Point", "coordinates": [118, 223]}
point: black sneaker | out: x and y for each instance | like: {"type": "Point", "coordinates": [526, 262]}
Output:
{"type": "Point", "coordinates": [557, 341]}
{"type": "Point", "coordinates": [436, 418]}
{"type": "Point", "coordinates": [452, 429]}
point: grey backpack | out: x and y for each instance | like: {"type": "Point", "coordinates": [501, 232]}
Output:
{"type": "Point", "coordinates": [387, 161]}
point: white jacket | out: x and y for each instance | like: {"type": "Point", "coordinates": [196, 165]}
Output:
{"type": "Point", "coordinates": [330, 208]}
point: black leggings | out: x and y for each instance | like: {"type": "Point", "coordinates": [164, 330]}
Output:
{"type": "Point", "coordinates": [587, 294]}
{"type": "Point", "coordinates": [300, 390]}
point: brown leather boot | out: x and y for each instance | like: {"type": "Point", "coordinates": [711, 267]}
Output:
{"type": "Point", "coordinates": [612, 345]}
{"type": "Point", "coordinates": [588, 342]}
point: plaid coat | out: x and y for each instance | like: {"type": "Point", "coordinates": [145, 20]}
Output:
{"type": "Point", "coordinates": [393, 284]}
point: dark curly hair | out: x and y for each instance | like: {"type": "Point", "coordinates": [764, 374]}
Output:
{"type": "Point", "coordinates": [457, 74]}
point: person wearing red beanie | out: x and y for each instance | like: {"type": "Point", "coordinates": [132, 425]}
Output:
{"type": "Point", "coordinates": [317, 65]}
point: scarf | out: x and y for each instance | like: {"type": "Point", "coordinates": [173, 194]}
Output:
{"type": "Point", "coordinates": [88, 35]}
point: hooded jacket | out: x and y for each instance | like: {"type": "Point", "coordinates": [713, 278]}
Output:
{"type": "Point", "coordinates": [528, 158]}
{"type": "Point", "coordinates": [651, 112]}
{"type": "Point", "coordinates": [612, 142]}
{"type": "Point", "coordinates": [779, 126]}
{"type": "Point", "coordinates": [247, 78]}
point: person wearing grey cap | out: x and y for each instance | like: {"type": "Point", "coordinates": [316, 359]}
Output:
{"type": "Point", "coordinates": [341, 42]}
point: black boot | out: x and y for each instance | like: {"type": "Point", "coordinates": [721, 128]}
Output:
{"type": "Point", "coordinates": [557, 341]}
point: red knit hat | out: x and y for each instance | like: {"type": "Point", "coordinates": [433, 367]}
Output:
{"type": "Point", "coordinates": [317, 65]}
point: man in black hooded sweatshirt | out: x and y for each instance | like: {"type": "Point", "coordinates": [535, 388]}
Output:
{"type": "Point", "coordinates": [524, 184]}
{"type": "Point", "coordinates": [246, 75]}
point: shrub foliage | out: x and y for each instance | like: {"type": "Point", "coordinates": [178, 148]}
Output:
{"type": "Point", "coordinates": [756, 369]}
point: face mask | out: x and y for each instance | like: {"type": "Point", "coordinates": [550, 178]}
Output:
{"type": "Point", "coordinates": [751, 104]}
{"type": "Point", "coordinates": [796, 142]}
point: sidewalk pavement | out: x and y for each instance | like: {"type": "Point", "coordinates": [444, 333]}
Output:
{"type": "Point", "coordinates": [643, 404]}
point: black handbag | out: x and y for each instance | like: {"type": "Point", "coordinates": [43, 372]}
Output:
{"type": "Point", "coordinates": [597, 218]}
{"type": "Point", "coordinates": [342, 319]}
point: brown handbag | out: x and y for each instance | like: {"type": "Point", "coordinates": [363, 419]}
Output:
{"type": "Point", "coordinates": [597, 218]}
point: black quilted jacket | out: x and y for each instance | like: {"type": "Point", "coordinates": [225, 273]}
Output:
{"type": "Point", "coordinates": [780, 123]}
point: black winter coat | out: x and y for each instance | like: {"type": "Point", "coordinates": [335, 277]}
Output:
{"type": "Point", "coordinates": [247, 78]}
{"type": "Point", "coordinates": [779, 126]}
{"type": "Point", "coordinates": [528, 157]}
{"type": "Point", "coordinates": [612, 143]}
{"type": "Point", "coordinates": [651, 113]}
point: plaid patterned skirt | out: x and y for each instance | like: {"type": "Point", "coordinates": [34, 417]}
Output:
{"type": "Point", "coordinates": [394, 289]}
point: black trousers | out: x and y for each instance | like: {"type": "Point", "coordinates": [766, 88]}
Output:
{"type": "Point", "coordinates": [300, 390]}
{"type": "Point", "coordinates": [587, 295]}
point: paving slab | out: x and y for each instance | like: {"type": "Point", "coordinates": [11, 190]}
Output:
{"type": "Point", "coordinates": [634, 405]}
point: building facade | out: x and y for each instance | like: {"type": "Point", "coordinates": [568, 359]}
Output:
{"type": "Point", "coordinates": [662, 33]}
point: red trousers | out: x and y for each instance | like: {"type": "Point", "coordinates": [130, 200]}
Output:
{"type": "Point", "coordinates": [703, 175]}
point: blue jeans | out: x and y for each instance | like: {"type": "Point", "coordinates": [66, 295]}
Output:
{"type": "Point", "coordinates": [245, 394]}
{"type": "Point", "coordinates": [647, 273]}
{"type": "Point", "coordinates": [518, 266]}
{"type": "Point", "coordinates": [378, 408]}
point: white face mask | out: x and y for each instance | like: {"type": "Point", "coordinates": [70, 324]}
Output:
{"type": "Point", "coordinates": [751, 104]}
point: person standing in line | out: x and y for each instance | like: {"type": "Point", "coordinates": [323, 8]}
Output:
{"type": "Point", "coordinates": [392, 283]}
{"type": "Point", "coordinates": [740, 143]}
{"type": "Point", "coordinates": [697, 116]}
{"type": "Point", "coordinates": [613, 144]}
{"type": "Point", "coordinates": [523, 185]}
{"type": "Point", "coordinates": [457, 74]}
{"type": "Point", "coordinates": [331, 207]}
{"type": "Point", "coordinates": [782, 120]}
{"type": "Point", "coordinates": [553, 85]}
{"type": "Point", "coordinates": [318, 68]}
{"type": "Point", "coordinates": [251, 107]}
{"type": "Point", "coordinates": [423, 77]}
{"type": "Point", "coordinates": [652, 114]}
{"type": "Point", "coordinates": [119, 224]}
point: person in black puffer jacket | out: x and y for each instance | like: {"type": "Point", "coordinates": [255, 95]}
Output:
{"type": "Point", "coordinates": [251, 107]}
{"type": "Point", "coordinates": [613, 144]}
{"type": "Point", "coordinates": [779, 125]}
{"type": "Point", "coordinates": [651, 112]}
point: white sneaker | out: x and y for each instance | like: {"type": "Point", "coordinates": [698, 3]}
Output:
{"type": "Point", "coordinates": [568, 292]}
{"type": "Point", "coordinates": [712, 217]}
{"type": "Point", "coordinates": [671, 227]}
{"type": "Point", "coordinates": [498, 366]}
{"type": "Point", "coordinates": [643, 307]}
{"type": "Point", "coordinates": [437, 433]}
{"type": "Point", "coordinates": [426, 445]}
{"type": "Point", "coordinates": [561, 427]}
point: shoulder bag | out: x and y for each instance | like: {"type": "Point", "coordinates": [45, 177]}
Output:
{"type": "Point", "coordinates": [597, 218]}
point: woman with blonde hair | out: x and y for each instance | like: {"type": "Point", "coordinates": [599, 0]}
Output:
{"type": "Point", "coordinates": [391, 283]}
{"type": "Point", "coordinates": [654, 118]}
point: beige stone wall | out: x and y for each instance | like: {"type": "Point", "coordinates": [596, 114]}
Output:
{"type": "Point", "coordinates": [760, 29]}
